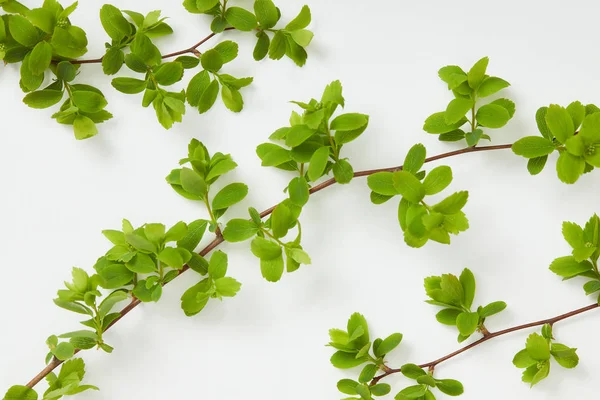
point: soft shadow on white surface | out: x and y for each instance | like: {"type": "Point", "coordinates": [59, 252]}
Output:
{"type": "Point", "coordinates": [268, 342]}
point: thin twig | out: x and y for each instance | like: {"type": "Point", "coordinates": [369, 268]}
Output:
{"type": "Point", "coordinates": [190, 50]}
{"type": "Point", "coordinates": [551, 321]}
{"type": "Point", "coordinates": [218, 240]}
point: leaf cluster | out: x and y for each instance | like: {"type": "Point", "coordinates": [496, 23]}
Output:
{"type": "Point", "coordinates": [354, 348]}
{"type": "Point", "coordinates": [146, 258]}
{"type": "Point", "coordinates": [419, 221]}
{"type": "Point", "coordinates": [468, 88]}
{"type": "Point", "coordinates": [538, 351]}
{"type": "Point", "coordinates": [425, 382]}
{"type": "Point", "coordinates": [66, 383]}
{"type": "Point", "coordinates": [456, 295]}
{"type": "Point", "coordinates": [291, 41]}
{"type": "Point", "coordinates": [583, 261]}
{"type": "Point", "coordinates": [572, 131]}
{"type": "Point", "coordinates": [313, 141]}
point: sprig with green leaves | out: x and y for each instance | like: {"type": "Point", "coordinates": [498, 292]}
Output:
{"type": "Point", "coordinates": [583, 260]}
{"type": "Point", "coordinates": [572, 131]}
{"type": "Point", "coordinates": [535, 357]}
{"type": "Point", "coordinates": [468, 88]}
{"type": "Point", "coordinates": [314, 140]}
{"type": "Point", "coordinates": [419, 221]}
{"type": "Point", "coordinates": [456, 295]}
{"type": "Point", "coordinates": [354, 348]}
{"type": "Point", "coordinates": [291, 41]}
{"type": "Point", "coordinates": [44, 39]}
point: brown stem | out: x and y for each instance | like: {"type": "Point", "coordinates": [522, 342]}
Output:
{"type": "Point", "coordinates": [489, 336]}
{"type": "Point", "coordinates": [192, 50]}
{"type": "Point", "coordinates": [219, 239]}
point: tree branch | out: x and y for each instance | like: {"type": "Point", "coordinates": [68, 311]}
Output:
{"type": "Point", "coordinates": [551, 321]}
{"type": "Point", "coordinates": [218, 240]}
{"type": "Point", "coordinates": [191, 50]}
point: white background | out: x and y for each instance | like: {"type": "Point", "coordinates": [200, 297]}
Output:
{"type": "Point", "coordinates": [268, 342]}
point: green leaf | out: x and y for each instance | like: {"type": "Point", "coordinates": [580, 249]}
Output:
{"type": "Point", "coordinates": [536, 165]}
{"type": "Point", "coordinates": [84, 127]}
{"type": "Point", "coordinates": [533, 147]}
{"type": "Point", "coordinates": [217, 267]}
{"type": "Point", "coordinates": [208, 97]}
{"type": "Point", "coordinates": [453, 75]}
{"type": "Point", "coordinates": [577, 112]}
{"type": "Point", "coordinates": [281, 220]}
{"type": "Point", "coordinates": [477, 73]}
{"type": "Point", "coordinates": [408, 186]}
{"type": "Point", "coordinates": [559, 122]}
{"type": "Point", "coordinates": [19, 392]}
{"type": "Point", "coordinates": [457, 109]}
{"type": "Point", "coordinates": [141, 264]}
{"type": "Point", "coordinates": [382, 183]}
{"type": "Point", "coordinates": [195, 232]}
{"type": "Point", "coordinates": [538, 347]}
{"type": "Point", "coordinates": [303, 37]}
{"type": "Point", "coordinates": [412, 392]}
{"type": "Point", "coordinates": [467, 280]}
{"type": "Point", "coordinates": [298, 191]}
{"type": "Point", "coordinates": [212, 60]}
{"type": "Point", "coordinates": [23, 31]}
{"type": "Point", "coordinates": [227, 286]}
{"type": "Point", "coordinates": [87, 101]}
{"type": "Point", "coordinates": [129, 85]}
{"type": "Point", "coordinates": [591, 287]}
{"type": "Point", "coordinates": [436, 124]}
{"type": "Point", "coordinates": [415, 159]}
{"type": "Point", "coordinates": [301, 21]}
{"type": "Point", "coordinates": [467, 322]}
{"type": "Point", "coordinates": [389, 344]}
{"type": "Point", "coordinates": [349, 122]}
{"type": "Point", "coordinates": [238, 230]}
{"type": "Point", "coordinates": [266, 13]}
{"type": "Point", "coordinates": [523, 360]}
{"type": "Point", "coordinates": [169, 73]}
{"type": "Point", "coordinates": [232, 99]}
{"type": "Point", "coordinates": [318, 163]}
{"type": "Point", "coordinates": [343, 360]}
{"type": "Point", "coordinates": [228, 50]}
{"type": "Point", "coordinates": [143, 48]}
{"type": "Point", "coordinates": [278, 46]}
{"type": "Point", "coordinates": [412, 371]}
{"type": "Point", "coordinates": [262, 46]}
{"type": "Point", "coordinates": [492, 116]}
{"type": "Point", "coordinates": [491, 85]}
{"type": "Point", "coordinates": [63, 351]}
{"type": "Point", "coordinates": [492, 309]}
{"type": "Point", "coordinates": [42, 18]}
{"type": "Point", "coordinates": [272, 269]}
{"type": "Point", "coordinates": [343, 171]}
{"type": "Point", "coordinates": [193, 183]}
{"type": "Point", "coordinates": [240, 19]}
{"type": "Point", "coordinates": [265, 249]}
{"type": "Point", "coordinates": [196, 88]}
{"type": "Point", "coordinates": [229, 195]}
{"type": "Point", "coordinates": [448, 316]}
{"type": "Point", "coordinates": [437, 180]}
{"type": "Point", "coordinates": [564, 355]}
{"type": "Point", "coordinates": [368, 373]}
{"type": "Point", "coordinates": [203, 6]}
{"type": "Point", "coordinates": [114, 23]}
{"type": "Point", "coordinates": [347, 386]}
{"type": "Point", "coordinates": [43, 98]}
{"type": "Point", "coordinates": [568, 267]}
{"type": "Point", "coordinates": [569, 167]}
{"type": "Point", "coordinates": [113, 61]}
{"type": "Point", "coordinates": [453, 203]}
{"type": "Point", "coordinates": [298, 134]}
{"type": "Point", "coordinates": [450, 387]}
{"type": "Point", "coordinates": [40, 58]}
{"type": "Point", "coordinates": [195, 298]}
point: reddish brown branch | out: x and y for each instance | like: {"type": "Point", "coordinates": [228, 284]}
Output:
{"type": "Point", "coordinates": [489, 336]}
{"type": "Point", "coordinates": [218, 240]}
{"type": "Point", "coordinates": [190, 50]}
